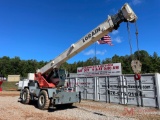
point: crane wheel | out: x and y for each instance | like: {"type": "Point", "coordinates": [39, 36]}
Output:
{"type": "Point", "coordinates": [43, 100]}
{"type": "Point", "coordinates": [25, 96]}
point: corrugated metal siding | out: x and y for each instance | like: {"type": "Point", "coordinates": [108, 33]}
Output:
{"type": "Point", "coordinates": [122, 89]}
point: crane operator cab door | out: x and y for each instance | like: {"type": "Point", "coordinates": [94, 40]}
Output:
{"type": "Point", "coordinates": [58, 77]}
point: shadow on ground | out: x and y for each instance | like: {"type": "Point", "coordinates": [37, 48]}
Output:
{"type": "Point", "coordinates": [52, 109]}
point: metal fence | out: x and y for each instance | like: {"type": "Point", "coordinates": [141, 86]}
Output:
{"type": "Point", "coordinates": [123, 89]}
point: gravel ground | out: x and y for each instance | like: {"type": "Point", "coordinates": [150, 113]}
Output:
{"type": "Point", "coordinates": [11, 109]}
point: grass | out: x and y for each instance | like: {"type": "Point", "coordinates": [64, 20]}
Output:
{"type": "Point", "coordinates": [9, 86]}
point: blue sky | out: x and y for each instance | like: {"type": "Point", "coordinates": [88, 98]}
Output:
{"type": "Point", "coordinates": [43, 29]}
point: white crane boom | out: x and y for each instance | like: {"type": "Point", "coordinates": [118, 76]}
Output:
{"type": "Point", "coordinates": [126, 14]}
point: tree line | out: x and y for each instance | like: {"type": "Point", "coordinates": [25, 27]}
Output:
{"type": "Point", "coordinates": [14, 66]}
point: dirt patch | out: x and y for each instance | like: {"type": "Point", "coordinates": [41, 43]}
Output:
{"type": "Point", "coordinates": [9, 93]}
{"type": "Point", "coordinates": [10, 108]}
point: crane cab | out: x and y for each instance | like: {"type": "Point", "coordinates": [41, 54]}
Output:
{"type": "Point", "coordinates": [57, 77]}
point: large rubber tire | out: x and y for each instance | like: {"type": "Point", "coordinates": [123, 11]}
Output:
{"type": "Point", "coordinates": [25, 96]}
{"type": "Point", "coordinates": [43, 100]}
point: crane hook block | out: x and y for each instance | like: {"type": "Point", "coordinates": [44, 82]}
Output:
{"type": "Point", "coordinates": [137, 76]}
{"type": "Point", "coordinates": [136, 66]}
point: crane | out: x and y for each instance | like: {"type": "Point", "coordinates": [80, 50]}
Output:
{"type": "Point", "coordinates": [47, 84]}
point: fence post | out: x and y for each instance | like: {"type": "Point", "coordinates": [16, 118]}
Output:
{"type": "Point", "coordinates": [96, 89]}
{"type": "Point", "coordinates": [157, 80]}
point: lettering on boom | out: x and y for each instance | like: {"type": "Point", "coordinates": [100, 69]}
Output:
{"type": "Point", "coordinates": [91, 34]}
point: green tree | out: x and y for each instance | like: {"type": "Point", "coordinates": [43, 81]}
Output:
{"type": "Point", "coordinates": [155, 63]}
{"type": "Point", "coordinates": [106, 61]}
{"type": "Point", "coordinates": [150, 64]}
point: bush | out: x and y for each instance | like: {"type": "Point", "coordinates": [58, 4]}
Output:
{"type": "Point", "coordinates": [8, 86]}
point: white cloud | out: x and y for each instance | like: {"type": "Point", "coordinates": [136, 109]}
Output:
{"type": "Point", "coordinates": [115, 32]}
{"type": "Point", "coordinates": [135, 2]}
{"type": "Point", "coordinates": [92, 52]}
{"type": "Point", "coordinates": [101, 52]}
{"type": "Point", "coordinates": [118, 39]}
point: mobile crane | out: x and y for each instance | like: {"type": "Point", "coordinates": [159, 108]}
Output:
{"type": "Point", "coordinates": [47, 84]}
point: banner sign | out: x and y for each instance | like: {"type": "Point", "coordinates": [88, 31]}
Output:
{"type": "Point", "coordinates": [100, 70]}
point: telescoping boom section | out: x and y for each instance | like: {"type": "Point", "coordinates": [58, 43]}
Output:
{"type": "Point", "coordinates": [126, 14]}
